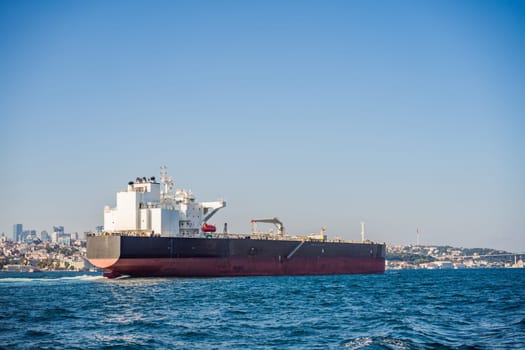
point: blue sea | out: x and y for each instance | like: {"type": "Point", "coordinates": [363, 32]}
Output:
{"type": "Point", "coordinates": [421, 309]}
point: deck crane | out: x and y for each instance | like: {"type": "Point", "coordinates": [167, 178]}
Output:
{"type": "Point", "coordinates": [275, 221]}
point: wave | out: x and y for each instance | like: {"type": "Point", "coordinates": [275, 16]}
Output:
{"type": "Point", "coordinates": [380, 342]}
{"type": "Point", "coordinates": [50, 279]}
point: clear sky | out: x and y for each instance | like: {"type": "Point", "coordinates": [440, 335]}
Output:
{"type": "Point", "coordinates": [402, 114]}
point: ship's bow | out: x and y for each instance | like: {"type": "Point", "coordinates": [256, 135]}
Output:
{"type": "Point", "coordinates": [103, 251]}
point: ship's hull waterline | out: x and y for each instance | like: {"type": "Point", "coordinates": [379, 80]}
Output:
{"type": "Point", "coordinates": [222, 257]}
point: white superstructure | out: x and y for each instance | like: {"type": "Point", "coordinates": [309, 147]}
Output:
{"type": "Point", "coordinates": [152, 208]}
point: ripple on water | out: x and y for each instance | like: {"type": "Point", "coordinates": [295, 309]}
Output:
{"type": "Point", "coordinates": [377, 343]}
{"type": "Point", "coordinates": [36, 333]}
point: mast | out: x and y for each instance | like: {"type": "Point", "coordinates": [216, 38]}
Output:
{"type": "Point", "coordinates": [167, 182]}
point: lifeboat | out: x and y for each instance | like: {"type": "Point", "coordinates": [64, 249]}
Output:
{"type": "Point", "coordinates": [208, 228]}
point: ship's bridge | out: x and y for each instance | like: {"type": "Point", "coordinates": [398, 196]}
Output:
{"type": "Point", "coordinates": [145, 209]}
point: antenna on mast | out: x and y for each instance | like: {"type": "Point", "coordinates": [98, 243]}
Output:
{"type": "Point", "coordinates": [167, 182]}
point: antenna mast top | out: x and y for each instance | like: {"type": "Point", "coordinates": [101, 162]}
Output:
{"type": "Point", "coordinates": [165, 180]}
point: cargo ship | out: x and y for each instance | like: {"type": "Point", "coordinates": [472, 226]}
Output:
{"type": "Point", "coordinates": [158, 231]}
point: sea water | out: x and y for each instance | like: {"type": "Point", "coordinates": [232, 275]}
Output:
{"type": "Point", "coordinates": [422, 309]}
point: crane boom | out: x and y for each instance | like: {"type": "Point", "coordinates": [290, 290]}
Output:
{"type": "Point", "coordinates": [275, 221]}
{"type": "Point", "coordinates": [210, 208]}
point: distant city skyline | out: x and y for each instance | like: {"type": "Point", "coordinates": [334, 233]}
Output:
{"type": "Point", "coordinates": [24, 234]}
{"type": "Point", "coordinates": [407, 116]}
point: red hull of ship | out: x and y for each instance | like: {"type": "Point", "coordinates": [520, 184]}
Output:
{"type": "Point", "coordinates": [225, 267]}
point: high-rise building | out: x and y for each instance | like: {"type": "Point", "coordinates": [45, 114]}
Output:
{"type": "Point", "coordinates": [58, 229]}
{"type": "Point", "coordinates": [44, 236]}
{"type": "Point", "coordinates": [27, 236]}
{"type": "Point", "coordinates": [17, 232]}
{"type": "Point", "coordinates": [64, 239]}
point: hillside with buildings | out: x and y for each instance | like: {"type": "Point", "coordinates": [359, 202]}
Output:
{"type": "Point", "coordinates": [441, 257]}
{"type": "Point", "coordinates": [30, 251]}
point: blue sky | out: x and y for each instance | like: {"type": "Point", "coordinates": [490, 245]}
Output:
{"type": "Point", "coordinates": [401, 114]}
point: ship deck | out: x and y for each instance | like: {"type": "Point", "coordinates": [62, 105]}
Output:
{"type": "Point", "coordinates": [255, 236]}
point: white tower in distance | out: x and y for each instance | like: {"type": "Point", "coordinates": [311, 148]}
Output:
{"type": "Point", "coordinates": [362, 231]}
